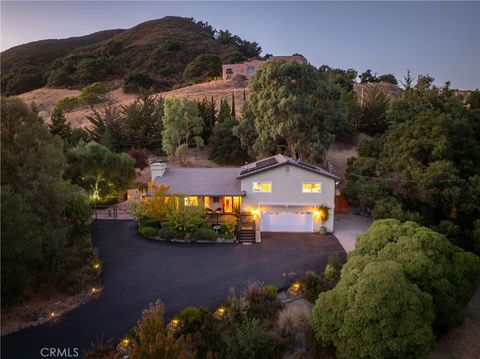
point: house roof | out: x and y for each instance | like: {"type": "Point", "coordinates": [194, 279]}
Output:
{"type": "Point", "coordinates": [202, 181]}
{"type": "Point", "coordinates": [277, 161]}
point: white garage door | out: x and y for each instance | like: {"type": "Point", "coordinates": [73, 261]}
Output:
{"type": "Point", "coordinates": [286, 222]}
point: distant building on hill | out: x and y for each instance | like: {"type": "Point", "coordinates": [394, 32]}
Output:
{"type": "Point", "coordinates": [247, 68]}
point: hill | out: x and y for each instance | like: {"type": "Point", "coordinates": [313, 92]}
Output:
{"type": "Point", "coordinates": [46, 98]}
{"type": "Point", "coordinates": [158, 49]}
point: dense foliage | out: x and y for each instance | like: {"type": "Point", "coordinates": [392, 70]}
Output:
{"type": "Point", "coordinates": [224, 145]}
{"type": "Point", "coordinates": [425, 167]}
{"type": "Point", "coordinates": [99, 171]}
{"type": "Point", "coordinates": [168, 217]}
{"type": "Point", "coordinates": [203, 68]}
{"type": "Point", "coordinates": [137, 125]}
{"type": "Point", "coordinates": [182, 127]}
{"type": "Point", "coordinates": [292, 109]}
{"type": "Point", "coordinates": [44, 242]}
{"type": "Point", "coordinates": [162, 48]}
{"type": "Point", "coordinates": [402, 284]}
{"type": "Point", "coordinates": [232, 331]}
{"type": "Point", "coordinates": [428, 259]}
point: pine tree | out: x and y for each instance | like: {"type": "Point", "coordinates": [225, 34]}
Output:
{"type": "Point", "coordinates": [59, 125]}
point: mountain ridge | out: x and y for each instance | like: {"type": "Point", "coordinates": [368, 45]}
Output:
{"type": "Point", "coordinates": [160, 49]}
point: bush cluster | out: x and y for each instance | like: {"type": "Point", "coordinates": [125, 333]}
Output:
{"type": "Point", "coordinates": [201, 333]}
{"type": "Point", "coordinates": [402, 285]}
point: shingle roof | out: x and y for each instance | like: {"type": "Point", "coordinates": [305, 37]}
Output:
{"type": "Point", "coordinates": [280, 160]}
{"type": "Point", "coordinates": [202, 181]}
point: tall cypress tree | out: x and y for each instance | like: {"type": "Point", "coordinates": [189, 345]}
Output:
{"type": "Point", "coordinates": [233, 104]}
{"type": "Point", "coordinates": [225, 146]}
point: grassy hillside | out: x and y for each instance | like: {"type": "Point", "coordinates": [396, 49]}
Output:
{"type": "Point", "coordinates": [160, 49]}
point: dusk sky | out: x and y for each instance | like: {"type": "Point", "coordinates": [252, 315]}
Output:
{"type": "Point", "coordinates": [438, 38]}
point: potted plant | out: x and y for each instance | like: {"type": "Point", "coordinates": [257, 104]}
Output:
{"type": "Point", "coordinates": [323, 213]}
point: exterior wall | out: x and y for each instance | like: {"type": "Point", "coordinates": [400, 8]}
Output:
{"type": "Point", "coordinates": [242, 68]}
{"type": "Point", "coordinates": [287, 188]}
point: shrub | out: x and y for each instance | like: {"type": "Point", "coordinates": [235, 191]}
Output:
{"type": "Point", "coordinates": [140, 156]}
{"type": "Point", "coordinates": [260, 306]}
{"type": "Point", "coordinates": [205, 234]}
{"type": "Point", "coordinates": [293, 321]}
{"type": "Point", "coordinates": [396, 323]}
{"type": "Point", "coordinates": [203, 330]}
{"type": "Point", "coordinates": [191, 319]}
{"type": "Point", "coordinates": [311, 285]}
{"type": "Point", "coordinates": [133, 82]}
{"type": "Point", "coordinates": [429, 260]}
{"type": "Point", "coordinates": [249, 341]}
{"type": "Point", "coordinates": [270, 291]}
{"type": "Point", "coordinates": [148, 231]}
{"type": "Point", "coordinates": [186, 220]}
{"type": "Point", "coordinates": [151, 339]}
{"type": "Point", "coordinates": [168, 233]}
{"type": "Point", "coordinates": [147, 222]}
{"type": "Point", "coordinates": [204, 66]}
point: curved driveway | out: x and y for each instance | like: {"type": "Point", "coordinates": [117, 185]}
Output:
{"type": "Point", "coordinates": [138, 271]}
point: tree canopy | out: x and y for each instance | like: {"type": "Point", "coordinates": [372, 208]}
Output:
{"type": "Point", "coordinates": [425, 167]}
{"type": "Point", "coordinates": [182, 127]}
{"type": "Point", "coordinates": [293, 109]}
{"type": "Point", "coordinates": [99, 171]}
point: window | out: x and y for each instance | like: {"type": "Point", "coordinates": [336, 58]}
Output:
{"type": "Point", "coordinates": [190, 201]}
{"type": "Point", "coordinates": [250, 70]}
{"type": "Point", "coordinates": [315, 187]}
{"type": "Point", "coordinates": [229, 71]}
{"type": "Point", "coordinates": [262, 187]}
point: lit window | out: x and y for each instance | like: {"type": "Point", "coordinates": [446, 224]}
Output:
{"type": "Point", "coordinates": [312, 187]}
{"type": "Point", "coordinates": [190, 201]}
{"type": "Point", "coordinates": [262, 186]}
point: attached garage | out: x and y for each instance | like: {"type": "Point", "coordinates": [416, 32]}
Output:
{"type": "Point", "coordinates": [286, 222]}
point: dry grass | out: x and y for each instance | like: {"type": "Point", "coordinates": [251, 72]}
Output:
{"type": "Point", "coordinates": [46, 98]}
{"type": "Point", "coordinates": [293, 319]}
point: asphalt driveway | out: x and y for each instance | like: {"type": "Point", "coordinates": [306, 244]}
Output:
{"type": "Point", "coordinates": [138, 271]}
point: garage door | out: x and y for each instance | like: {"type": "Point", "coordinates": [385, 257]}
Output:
{"type": "Point", "coordinates": [286, 222]}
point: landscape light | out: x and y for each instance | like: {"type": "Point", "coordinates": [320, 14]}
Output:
{"type": "Point", "coordinates": [52, 314]}
{"type": "Point", "coordinates": [94, 290]}
{"type": "Point", "coordinates": [96, 265]}
{"type": "Point", "coordinates": [296, 287]}
{"type": "Point", "coordinates": [219, 312]}
{"type": "Point", "coordinates": [125, 342]}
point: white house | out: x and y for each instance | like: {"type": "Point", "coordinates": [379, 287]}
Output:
{"type": "Point", "coordinates": [282, 194]}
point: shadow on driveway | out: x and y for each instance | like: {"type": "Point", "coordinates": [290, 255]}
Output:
{"type": "Point", "coordinates": [137, 271]}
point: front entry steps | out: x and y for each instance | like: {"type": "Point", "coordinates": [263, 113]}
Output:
{"type": "Point", "coordinates": [247, 232]}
